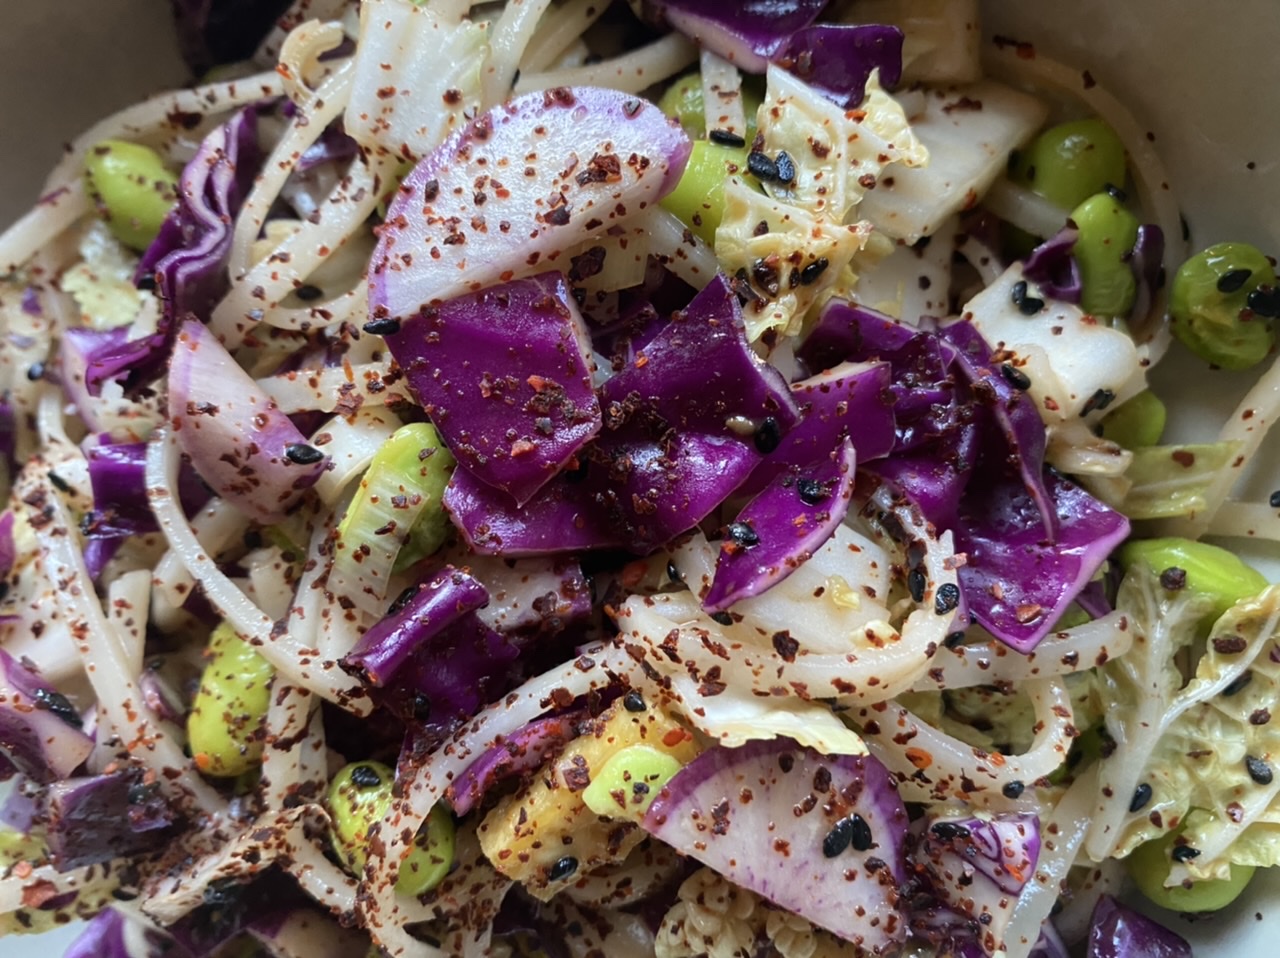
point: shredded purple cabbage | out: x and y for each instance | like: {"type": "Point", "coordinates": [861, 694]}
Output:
{"type": "Point", "coordinates": [117, 476]}
{"type": "Point", "coordinates": [93, 820]}
{"type": "Point", "coordinates": [1053, 268]}
{"type": "Point", "coordinates": [187, 259]}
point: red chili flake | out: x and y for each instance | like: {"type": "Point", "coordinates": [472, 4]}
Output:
{"type": "Point", "coordinates": [675, 737]}
{"type": "Point", "coordinates": [1183, 458]}
{"type": "Point", "coordinates": [919, 757]}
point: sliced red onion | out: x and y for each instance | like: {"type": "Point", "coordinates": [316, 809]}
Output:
{"type": "Point", "coordinates": [782, 527]}
{"type": "Point", "coordinates": [40, 731]}
{"type": "Point", "coordinates": [237, 439]}
{"type": "Point", "coordinates": [822, 837]}
{"type": "Point", "coordinates": [1002, 849]}
{"type": "Point", "coordinates": [505, 375]}
{"type": "Point", "coordinates": [8, 550]}
{"type": "Point", "coordinates": [520, 184]}
{"type": "Point", "coordinates": [525, 750]}
{"type": "Point", "coordinates": [434, 606]}
{"type": "Point", "coordinates": [1120, 932]}
{"type": "Point", "coordinates": [117, 476]}
{"type": "Point", "coordinates": [161, 698]}
{"type": "Point", "coordinates": [23, 806]}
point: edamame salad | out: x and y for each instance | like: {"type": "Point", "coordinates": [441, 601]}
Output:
{"type": "Point", "coordinates": [626, 479]}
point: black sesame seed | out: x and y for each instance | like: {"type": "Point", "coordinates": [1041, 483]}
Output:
{"type": "Point", "coordinates": [141, 792]}
{"type": "Point", "coordinates": [35, 372]}
{"type": "Point", "coordinates": [786, 168]}
{"type": "Point", "coordinates": [1237, 685]}
{"type": "Point", "coordinates": [421, 707]}
{"type": "Point", "coordinates": [382, 327]}
{"type": "Point", "coordinates": [949, 830]}
{"type": "Point", "coordinates": [809, 275]}
{"type": "Point", "coordinates": [726, 138]}
{"type": "Point", "coordinates": [1265, 301]}
{"type": "Point", "coordinates": [1013, 789]}
{"type": "Point", "coordinates": [1141, 795]}
{"type": "Point", "coordinates": [302, 454]}
{"type": "Point", "coordinates": [1113, 191]}
{"type": "Point", "coordinates": [1232, 280]}
{"type": "Point", "coordinates": [811, 491]}
{"type": "Point", "coordinates": [365, 776]}
{"type": "Point", "coordinates": [1098, 401]}
{"type": "Point", "coordinates": [633, 701]}
{"type": "Point", "coordinates": [768, 435]}
{"type": "Point", "coordinates": [146, 283]}
{"type": "Point", "coordinates": [1259, 770]}
{"type": "Point", "coordinates": [838, 839]}
{"type": "Point", "coordinates": [57, 703]}
{"type": "Point", "coordinates": [916, 583]}
{"type": "Point", "coordinates": [1184, 853]}
{"type": "Point", "coordinates": [761, 167]}
{"type": "Point", "coordinates": [947, 598]}
{"type": "Point", "coordinates": [673, 573]}
{"type": "Point", "coordinates": [724, 618]}
{"type": "Point", "coordinates": [860, 836]}
{"type": "Point", "coordinates": [1173, 579]}
{"type": "Point", "coordinates": [58, 482]}
{"type": "Point", "coordinates": [1015, 377]}
{"type": "Point", "coordinates": [953, 639]}
{"type": "Point", "coordinates": [307, 292]}
{"type": "Point", "coordinates": [1275, 499]}
{"type": "Point", "coordinates": [563, 868]}
{"type": "Point", "coordinates": [1019, 292]}
{"type": "Point", "coordinates": [743, 534]}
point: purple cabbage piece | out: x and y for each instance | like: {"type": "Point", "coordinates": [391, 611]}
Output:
{"type": "Point", "coordinates": [1016, 583]}
{"type": "Point", "coordinates": [236, 438]}
{"type": "Point", "coordinates": [632, 492]}
{"type": "Point", "coordinates": [106, 936]}
{"type": "Point", "coordinates": [214, 32]}
{"type": "Point", "coordinates": [748, 34]}
{"type": "Point", "coordinates": [505, 375]}
{"type": "Point", "coordinates": [1011, 408]}
{"type": "Point", "coordinates": [814, 858]}
{"type": "Point", "coordinates": [40, 731]}
{"type": "Point", "coordinates": [851, 400]}
{"type": "Point", "coordinates": [523, 751]}
{"type": "Point", "coordinates": [433, 660]}
{"type": "Point", "coordinates": [1053, 268]}
{"type": "Point", "coordinates": [1003, 850]}
{"type": "Point", "coordinates": [1146, 259]}
{"type": "Point", "coordinates": [436, 604]}
{"type": "Point", "coordinates": [117, 476]}
{"type": "Point", "coordinates": [1093, 599]}
{"type": "Point", "coordinates": [838, 59]}
{"type": "Point", "coordinates": [334, 146]}
{"type": "Point", "coordinates": [188, 258]}
{"type": "Point", "coordinates": [782, 527]}
{"type": "Point", "coordinates": [8, 550]}
{"type": "Point", "coordinates": [700, 375]}
{"type": "Point", "coordinates": [23, 807]}
{"type": "Point", "coordinates": [1119, 932]}
{"type": "Point", "coordinates": [9, 436]}
{"type": "Point", "coordinates": [98, 552]}
{"type": "Point", "coordinates": [93, 820]}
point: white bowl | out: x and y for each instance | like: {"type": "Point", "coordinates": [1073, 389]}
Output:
{"type": "Point", "coordinates": [1203, 78]}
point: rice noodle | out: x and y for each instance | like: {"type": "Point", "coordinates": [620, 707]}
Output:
{"type": "Point", "coordinates": [102, 649]}
{"type": "Point", "coordinates": [631, 72]}
{"type": "Point", "coordinates": [1248, 425]}
{"type": "Point", "coordinates": [129, 599]}
{"type": "Point", "coordinates": [1061, 653]}
{"type": "Point", "coordinates": [250, 622]}
{"type": "Point", "coordinates": [722, 94]}
{"type": "Point", "coordinates": [939, 767]}
{"type": "Point", "coordinates": [558, 31]}
{"type": "Point", "coordinates": [56, 211]}
{"type": "Point", "coordinates": [327, 388]}
{"type": "Point", "coordinates": [1061, 839]}
{"type": "Point", "coordinates": [510, 37]}
{"type": "Point", "coordinates": [1246, 520]}
{"type": "Point", "coordinates": [300, 54]}
{"type": "Point", "coordinates": [216, 526]}
{"type": "Point", "coordinates": [677, 249]}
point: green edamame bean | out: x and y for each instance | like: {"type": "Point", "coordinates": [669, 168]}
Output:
{"type": "Point", "coordinates": [1221, 304]}
{"type": "Point", "coordinates": [1150, 864]}
{"type": "Point", "coordinates": [224, 729]}
{"type": "Point", "coordinates": [17, 847]}
{"type": "Point", "coordinates": [359, 797]}
{"type": "Point", "coordinates": [683, 102]}
{"type": "Point", "coordinates": [1213, 572]}
{"type": "Point", "coordinates": [1136, 424]}
{"type": "Point", "coordinates": [1107, 234]}
{"type": "Point", "coordinates": [133, 189]}
{"type": "Point", "coordinates": [698, 199]}
{"type": "Point", "coordinates": [627, 784]}
{"type": "Point", "coordinates": [1070, 162]}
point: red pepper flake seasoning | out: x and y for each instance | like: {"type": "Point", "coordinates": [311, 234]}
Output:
{"type": "Point", "coordinates": [1183, 458]}
{"type": "Point", "coordinates": [919, 757]}
{"type": "Point", "coordinates": [1229, 644]}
